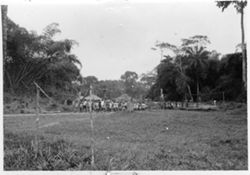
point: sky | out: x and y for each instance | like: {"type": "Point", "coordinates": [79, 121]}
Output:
{"type": "Point", "coordinates": [115, 37]}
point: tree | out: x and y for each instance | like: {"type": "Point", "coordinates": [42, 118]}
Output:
{"type": "Point", "coordinates": [4, 9]}
{"type": "Point", "coordinates": [109, 89]}
{"type": "Point", "coordinates": [167, 75]}
{"type": "Point", "coordinates": [239, 6]}
{"type": "Point", "coordinates": [32, 57]}
{"type": "Point", "coordinates": [148, 80]}
{"type": "Point", "coordinates": [194, 48]}
{"type": "Point", "coordinates": [62, 66]}
{"type": "Point", "coordinates": [86, 83]}
{"type": "Point", "coordinates": [20, 68]}
{"type": "Point", "coordinates": [230, 71]}
{"type": "Point", "coordinates": [197, 58]}
{"type": "Point", "coordinates": [182, 80]}
{"type": "Point", "coordinates": [190, 52]}
{"type": "Point", "coordinates": [209, 83]}
{"type": "Point", "coordinates": [194, 69]}
{"type": "Point", "coordinates": [129, 78]}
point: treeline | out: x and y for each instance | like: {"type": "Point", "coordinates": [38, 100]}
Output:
{"type": "Point", "coordinates": [40, 58]}
{"type": "Point", "coordinates": [195, 73]}
{"type": "Point", "coordinates": [192, 72]}
{"type": "Point", "coordinates": [129, 83]}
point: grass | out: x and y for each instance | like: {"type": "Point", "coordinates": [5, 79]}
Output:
{"type": "Point", "coordinates": [148, 140]}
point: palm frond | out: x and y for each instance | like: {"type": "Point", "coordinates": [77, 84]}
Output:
{"type": "Point", "coordinates": [223, 4]}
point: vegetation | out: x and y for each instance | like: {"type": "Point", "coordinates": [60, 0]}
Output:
{"type": "Point", "coordinates": [239, 6]}
{"type": "Point", "coordinates": [20, 154]}
{"type": "Point", "coordinates": [32, 57]}
{"type": "Point", "coordinates": [148, 140]}
{"type": "Point", "coordinates": [111, 89]}
{"type": "Point", "coordinates": [194, 71]}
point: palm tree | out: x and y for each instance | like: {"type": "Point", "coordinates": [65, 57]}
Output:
{"type": "Point", "coordinates": [182, 79]}
{"type": "Point", "coordinates": [239, 5]}
{"type": "Point", "coordinates": [197, 59]}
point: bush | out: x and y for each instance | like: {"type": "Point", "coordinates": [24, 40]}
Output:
{"type": "Point", "coordinates": [20, 154]}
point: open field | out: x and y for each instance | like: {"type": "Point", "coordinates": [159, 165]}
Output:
{"type": "Point", "coordinates": [146, 140]}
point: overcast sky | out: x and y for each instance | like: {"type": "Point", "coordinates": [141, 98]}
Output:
{"type": "Point", "coordinates": [116, 37]}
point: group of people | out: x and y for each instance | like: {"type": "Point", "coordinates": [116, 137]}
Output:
{"type": "Point", "coordinates": [109, 105]}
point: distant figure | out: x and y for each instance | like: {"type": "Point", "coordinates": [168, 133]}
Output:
{"type": "Point", "coordinates": [84, 105]}
{"type": "Point", "coordinates": [102, 105]}
{"type": "Point", "coordinates": [215, 102]}
{"type": "Point", "coordinates": [115, 106]}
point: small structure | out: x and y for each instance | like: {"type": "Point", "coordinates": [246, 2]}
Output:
{"type": "Point", "coordinates": [123, 98]}
{"type": "Point", "coordinates": [92, 97]}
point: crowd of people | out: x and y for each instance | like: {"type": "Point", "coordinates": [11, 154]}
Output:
{"type": "Point", "coordinates": [109, 105]}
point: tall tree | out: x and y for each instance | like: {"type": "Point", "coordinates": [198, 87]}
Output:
{"type": "Point", "coordinates": [129, 78]}
{"type": "Point", "coordinates": [231, 76]}
{"type": "Point", "coordinates": [197, 58]}
{"type": "Point", "coordinates": [4, 9]}
{"type": "Point", "coordinates": [167, 80]}
{"type": "Point", "coordinates": [148, 79]}
{"type": "Point", "coordinates": [32, 57]}
{"type": "Point", "coordinates": [239, 6]}
{"type": "Point", "coordinates": [190, 53]}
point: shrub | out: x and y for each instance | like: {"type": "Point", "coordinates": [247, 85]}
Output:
{"type": "Point", "coordinates": [19, 154]}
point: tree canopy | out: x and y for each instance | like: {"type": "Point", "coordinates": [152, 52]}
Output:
{"type": "Point", "coordinates": [41, 58]}
{"type": "Point", "coordinates": [194, 71]}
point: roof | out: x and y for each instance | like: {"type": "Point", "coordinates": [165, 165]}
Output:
{"type": "Point", "coordinates": [123, 97]}
{"type": "Point", "coordinates": [92, 97]}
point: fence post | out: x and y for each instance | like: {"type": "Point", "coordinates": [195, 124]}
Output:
{"type": "Point", "coordinates": [37, 120]}
{"type": "Point", "coordinates": [92, 131]}
{"type": "Point", "coordinates": [92, 136]}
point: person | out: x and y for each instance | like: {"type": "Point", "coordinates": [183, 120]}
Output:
{"type": "Point", "coordinates": [102, 105]}
{"type": "Point", "coordinates": [84, 106]}
{"type": "Point", "coordinates": [111, 105]}
{"type": "Point", "coordinates": [89, 106]}
{"type": "Point", "coordinates": [115, 105]}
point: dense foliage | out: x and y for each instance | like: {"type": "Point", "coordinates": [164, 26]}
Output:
{"type": "Point", "coordinates": [192, 72]}
{"type": "Point", "coordinates": [129, 84]}
{"type": "Point", "coordinates": [41, 58]}
{"type": "Point", "coordinates": [49, 62]}
{"type": "Point", "coordinates": [239, 5]}
{"type": "Point", "coordinates": [195, 73]}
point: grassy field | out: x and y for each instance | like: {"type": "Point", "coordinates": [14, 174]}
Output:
{"type": "Point", "coordinates": [147, 140]}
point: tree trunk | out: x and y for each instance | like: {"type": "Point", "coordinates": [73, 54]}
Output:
{"type": "Point", "coordinates": [190, 93]}
{"type": "Point", "coordinates": [183, 74]}
{"type": "Point", "coordinates": [244, 58]}
{"type": "Point", "coordinates": [197, 93]}
{"type": "Point", "coordinates": [11, 86]}
{"type": "Point", "coordinates": [4, 9]}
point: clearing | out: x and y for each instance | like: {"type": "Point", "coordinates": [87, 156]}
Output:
{"type": "Point", "coordinates": [146, 140]}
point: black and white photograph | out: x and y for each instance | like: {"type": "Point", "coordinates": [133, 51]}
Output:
{"type": "Point", "coordinates": [124, 86]}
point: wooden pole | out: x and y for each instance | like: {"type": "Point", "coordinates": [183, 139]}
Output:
{"type": "Point", "coordinates": [37, 86]}
{"type": "Point", "coordinates": [37, 120]}
{"type": "Point", "coordinates": [92, 133]}
{"type": "Point", "coordinates": [243, 46]}
{"type": "Point", "coordinates": [92, 137]}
